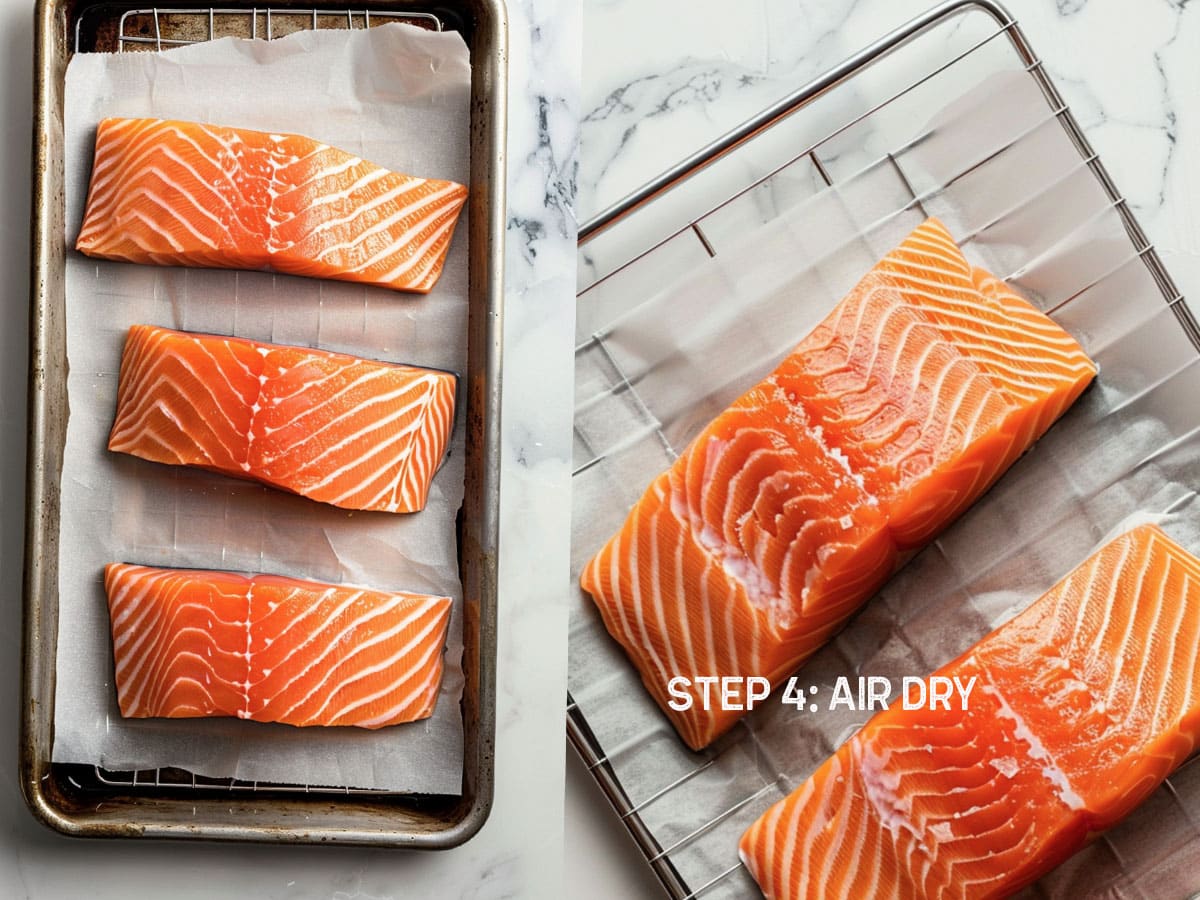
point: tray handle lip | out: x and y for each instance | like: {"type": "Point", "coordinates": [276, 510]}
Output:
{"type": "Point", "coordinates": [32, 739]}
{"type": "Point", "coordinates": [47, 812]}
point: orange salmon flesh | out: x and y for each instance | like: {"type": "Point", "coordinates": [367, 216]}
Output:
{"type": "Point", "coordinates": [789, 510]}
{"type": "Point", "coordinates": [273, 649]}
{"type": "Point", "coordinates": [1083, 704]}
{"type": "Point", "coordinates": [185, 194]}
{"type": "Point", "coordinates": [350, 432]}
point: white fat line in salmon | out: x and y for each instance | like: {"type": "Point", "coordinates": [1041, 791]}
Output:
{"type": "Point", "coordinates": [420, 203]}
{"type": "Point", "coordinates": [401, 459]}
{"type": "Point", "coordinates": [364, 180]}
{"type": "Point", "coordinates": [331, 643]}
{"type": "Point", "coordinates": [429, 383]}
{"type": "Point", "coordinates": [389, 665]}
{"type": "Point", "coordinates": [446, 223]}
{"type": "Point", "coordinates": [144, 375]}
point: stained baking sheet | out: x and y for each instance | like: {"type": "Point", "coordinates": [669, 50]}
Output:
{"type": "Point", "coordinates": [370, 92]}
{"type": "Point", "coordinates": [667, 342]}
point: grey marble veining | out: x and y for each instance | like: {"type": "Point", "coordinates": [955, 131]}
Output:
{"type": "Point", "coordinates": [677, 84]}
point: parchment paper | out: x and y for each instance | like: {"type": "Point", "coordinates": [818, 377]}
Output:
{"type": "Point", "coordinates": [995, 164]}
{"type": "Point", "coordinates": [398, 96]}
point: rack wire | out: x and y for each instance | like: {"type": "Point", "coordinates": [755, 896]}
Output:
{"type": "Point", "coordinates": [164, 28]}
{"type": "Point", "coordinates": [601, 745]}
{"type": "Point", "coordinates": [161, 28]}
{"type": "Point", "coordinates": [86, 777]}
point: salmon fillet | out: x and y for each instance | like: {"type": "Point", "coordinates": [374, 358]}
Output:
{"type": "Point", "coordinates": [187, 194]}
{"type": "Point", "coordinates": [190, 643]}
{"type": "Point", "coordinates": [1082, 705]}
{"type": "Point", "coordinates": [351, 432]}
{"type": "Point", "coordinates": [932, 377]}
{"type": "Point", "coordinates": [795, 504]}
{"type": "Point", "coordinates": [740, 559]}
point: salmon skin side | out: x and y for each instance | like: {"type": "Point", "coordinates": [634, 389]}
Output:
{"type": "Point", "coordinates": [190, 643]}
{"type": "Point", "coordinates": [1083, 704]}
{"type": "Point", "coordinates": [916, 392]}
{"type": "Point", "coordinates": [354, 433]}
{"type": "Point", "coordinates": [188, 194]}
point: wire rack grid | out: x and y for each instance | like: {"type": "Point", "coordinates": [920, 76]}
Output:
{"type": "Point", "coordinates": [161, 28]}
{"type": "Point", "coordinates": [660, 257]}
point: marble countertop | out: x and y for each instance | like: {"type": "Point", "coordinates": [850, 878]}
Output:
{"type": "Point", "coordinates": [660, 81]}
{"type": "Point", "coordinates": [678, 82]}
{"type": "Point", "coordinates": [518, 852]}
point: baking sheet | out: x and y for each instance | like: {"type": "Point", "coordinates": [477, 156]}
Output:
{"type": "Point", "coordinates": [398, 96]}
{"type": "Point", "coordinates": [998, 168]}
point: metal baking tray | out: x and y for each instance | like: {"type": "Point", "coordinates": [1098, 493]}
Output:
{"type": "Point", "coordinates": [653, 238]}
{"type": "Point", "coordinates": [91, 802]}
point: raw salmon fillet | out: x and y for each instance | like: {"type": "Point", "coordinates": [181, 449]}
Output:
{"type": "Point", "coordinates": [355, 433]}
{"type": "Point", "coordinates": [741, 559]}
{"type": "Point", "coordinates": [186, 194]}
{"type": "Point", "coordinates": [795, 504]}
{"type": "Point", "coordinates": [1082, 705]}
{"type": "Point", "coordinates": [190, 643]}
{"type": "Point", "coordinates": [932, 377]}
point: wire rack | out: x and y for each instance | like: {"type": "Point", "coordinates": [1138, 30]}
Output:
{"type": "Point", "coordinates": [85, 777]}
{"type": "Point", "coordinates": [162, 28]}
{"type": "Point", "coordinates": [620, 255]}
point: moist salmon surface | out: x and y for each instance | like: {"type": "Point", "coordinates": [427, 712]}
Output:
{"type": "Point", "coordinates": [1082, 705]}
{"type": "Point", "coordinates": [174, 193]}
{"type": "Point", "coordinates": [792, 507]}
{"type": "Point", "coordinates": [354, 433]}
{"type": "Point", "coordinates": [190, 643]}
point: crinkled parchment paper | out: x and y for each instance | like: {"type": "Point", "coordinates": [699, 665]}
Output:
{"type": "Point", "coordinates": [398, 96]}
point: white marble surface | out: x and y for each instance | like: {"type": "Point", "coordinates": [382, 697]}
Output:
{"type": "Point", "coordinates": [518, 853]}
{"type": "Point", "coordinates": [662, 79]}
{"type": "Point", "coordinates": [676, 82]}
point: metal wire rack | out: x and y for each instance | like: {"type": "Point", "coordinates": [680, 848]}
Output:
{"type": "Point", "coordinates": [85, 777]}
{"type": "Point", "coordinates": [163, 28]}
{"type": "Point", "coordinates": [661, 257]}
